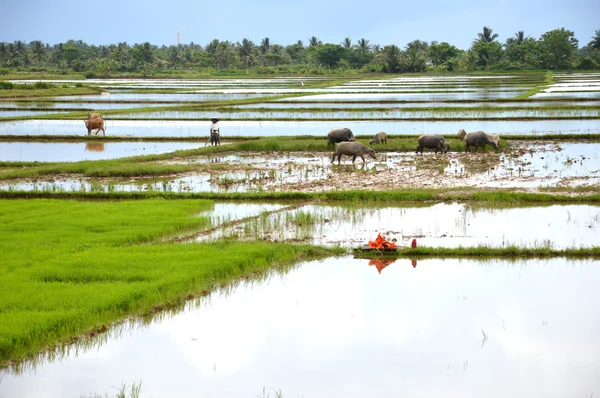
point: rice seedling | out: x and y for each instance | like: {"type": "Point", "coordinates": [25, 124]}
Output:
{"type": "Point", "coordinates": [71, 268]}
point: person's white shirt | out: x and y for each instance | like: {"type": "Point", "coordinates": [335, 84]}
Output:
{"type": "Point", "coordinates": [214, 127]}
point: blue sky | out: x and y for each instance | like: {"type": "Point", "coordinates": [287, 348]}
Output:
{"type": "Point", "coordinates": [380, 21]}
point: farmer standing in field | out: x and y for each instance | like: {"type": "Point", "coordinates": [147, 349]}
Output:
{"type": "Point", "coordinates": [215, 133]}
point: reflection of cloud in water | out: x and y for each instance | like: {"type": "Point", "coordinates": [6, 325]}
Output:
{"type": "Point", "coordinates": [336, 319]}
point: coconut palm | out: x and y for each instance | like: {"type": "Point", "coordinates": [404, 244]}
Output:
{"type": "Point", "coordinates": [518, 39]}
{"type": "Point", "coordinates": [486, 35]}
{"type": "Point", "coordinates": [595, 43]}
{"type": "Point", "coordinates": [212, 47]}
{"type": "Point", "coordinates": [3, 53]}
{"type": "Point", "coordinates": [363, 46]}
{"type": "Point", "coordinates": [38, 50]}
{"type": "Point", "coordinates": [347, 43]}
{"type": "Point", "coordinates": [390, 56]}
{"type": "Point", "coordinates": [300, 43]}
{"type": "Point", "coordinates": [225, 55]}
{"type": "Point", "coordinates": [265, 44]}
{"type": "Point", "coordinates": [314, 42]}
{"type": "Point", "coordinates": [245, 49]}
{"type": "Point", "coordinates": [175, 53]}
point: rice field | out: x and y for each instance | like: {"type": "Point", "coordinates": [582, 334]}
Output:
{"type": "Point", "coordinates": [136, 258]}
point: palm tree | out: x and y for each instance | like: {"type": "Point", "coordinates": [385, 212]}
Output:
{"type": "Point", "coordinates": [314, 42]}
{"type": "Point", "coordinates": [486, 35]}
{"type": "Point", "coordinates": [363, 46]}
{"type": "Point", "coordinates": [390, 56]}
{"type": "Point", "coordinates": [3, 53]}
{"type": "Point", "coordinates": [175, 55]}
{"type": "Point", "coordinates": [347, 43]}
{"type": "Point", "coordinates": [225, 55]}
{"type": "Point", "coordinates": [212, 47]}
{"type": "Point", "coordinates": [265, 44]}
{"type": "Point", "coordinates": [38, 50]}
{"type": "Point", "coordinates": [300, 43]}
{"type": "Point", "coordinates": [245, 49]}
{"type": "Point", "coordinates": [595, 43]}
{"type": "Point", "coordinates": [518, 39]}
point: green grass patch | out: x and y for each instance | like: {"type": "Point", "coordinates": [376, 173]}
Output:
{"type": "Point", "coordinates": [459, 194]}
{"type": "Point", "coordinates": [70, 268]}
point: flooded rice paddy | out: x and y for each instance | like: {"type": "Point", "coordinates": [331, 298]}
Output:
{"type": "Point", "coordinates": [57, 106]}
{"type": "Point", "coordinates": [287, 103]}
{"type": "Point", "coordinates": [77, 151]}
{"type": "Point", "coordinates": [159, 97]}
{"type": "Point", "coordinates": [348, 327]}
{"type": "Point", "coordinates": [190, 128]}
{"type": "Point", "coordinates": [433, 225]}
{"type": "Point", "coordinates": [524, 165]}
{"type": "Point", "coordinates": [364, 115]}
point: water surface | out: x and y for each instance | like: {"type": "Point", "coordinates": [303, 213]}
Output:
{"type": "Point", "coordinates": [165, 128]}
{"type": "Point", "coordinates": [345, 327]}
{"type": "Point", "coordinates": [77, 151]}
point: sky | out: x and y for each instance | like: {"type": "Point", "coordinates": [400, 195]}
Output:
{"type": "Point", "coordinates": [285, 22]}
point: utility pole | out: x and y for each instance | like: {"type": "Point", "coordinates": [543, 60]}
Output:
{"type": "Point", "coordinates": [178, 37]}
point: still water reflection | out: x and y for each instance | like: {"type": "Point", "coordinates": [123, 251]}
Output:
{"type": "Point", "coordinates": [336, 328]}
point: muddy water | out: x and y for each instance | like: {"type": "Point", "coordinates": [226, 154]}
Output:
{"type": "Point", "coordinates": [339, 328]}
{"type": "Point", "coordinates": [73, 152]}
{"type": "Point", "coordinates": [439, 225]}
{"type": "Point", "coordinates": [147, 128]}
{"type": "Point", "coordinates": [529, 166]}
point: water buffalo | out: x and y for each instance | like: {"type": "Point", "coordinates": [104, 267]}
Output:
{"type": "Point", "coordinates": [94, 115]}
{"type": "Point", "coordinates": [433, 141]}
{"type": "Point", "coordinates": [353, 149]}
{"type": "Point", "coordinates": [494, 138]}
{"type": "Point", "coordinates": [95, 124]}
{"type": "Point", "coordinates": [379, 138]}
{"type": "Point", "coordinates": [339, 135]}
{"type": "Point", "coordinates": [476, 139]}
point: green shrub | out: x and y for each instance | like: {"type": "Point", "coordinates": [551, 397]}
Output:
{"type": "Point", "coordinates": [6, 86]}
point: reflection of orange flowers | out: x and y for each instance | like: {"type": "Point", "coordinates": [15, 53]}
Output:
{"type": "Point", "coordinates": [381, 243]}
{"type": "Point", "coordinates": [381, 264]}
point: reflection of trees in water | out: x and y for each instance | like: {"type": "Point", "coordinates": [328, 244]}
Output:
{"type": "Point", "coordinates": [95, 146]}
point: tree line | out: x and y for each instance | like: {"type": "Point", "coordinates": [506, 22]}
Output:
{"type": "Point", "coordinates": [555, 49]}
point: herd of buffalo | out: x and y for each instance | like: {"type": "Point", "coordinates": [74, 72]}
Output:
{"type": "Point", "coordinates": [345, 143]}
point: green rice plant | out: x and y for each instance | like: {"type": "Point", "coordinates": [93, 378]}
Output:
{"type": "Point", "coordinates": [72, 268]}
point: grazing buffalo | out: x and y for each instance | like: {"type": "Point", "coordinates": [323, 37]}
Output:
{"type": "Point", "coordinates": [379, 138]}
{"type": "Point", "coordinates": [476, 139]}
{"type": "Point", "coordinates": [96, 123]}
{"type": "Point", "coordinates": [433, 141]}
{"type": "Point", "coordinates": [339, 135]}
{"type": "Point", "coordinates": [353, 149]}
